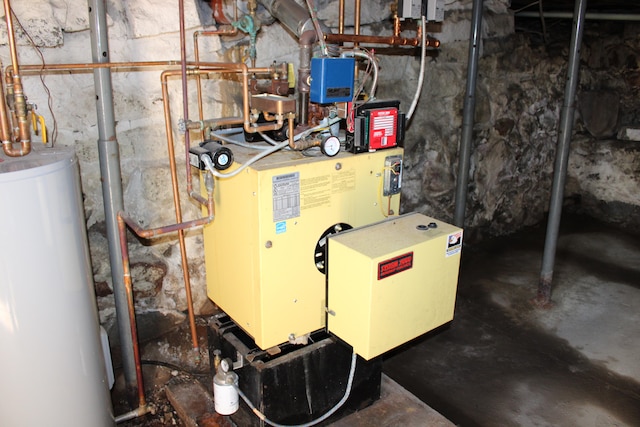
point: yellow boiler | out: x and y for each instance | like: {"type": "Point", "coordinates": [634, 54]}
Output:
{"type": "Point", "coordinates": [264, 252]}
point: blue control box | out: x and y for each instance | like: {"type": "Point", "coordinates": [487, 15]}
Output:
{"type": "Point", "coordinates": [332, 80]}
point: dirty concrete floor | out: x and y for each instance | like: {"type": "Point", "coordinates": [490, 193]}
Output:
{"type": "Point", "coordinates": [502, 362]}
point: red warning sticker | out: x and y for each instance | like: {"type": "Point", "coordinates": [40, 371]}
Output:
{"type": "Point", "coordinates": [395, 265]}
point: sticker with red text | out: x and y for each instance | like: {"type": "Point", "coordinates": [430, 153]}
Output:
{"type": "Point", "coordinates": [395, 265]}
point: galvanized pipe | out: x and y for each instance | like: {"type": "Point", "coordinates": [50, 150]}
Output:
{"type": "Point", "coordinates": [109, 157]}
{"type": "Point", "coordinates": [543, 297]}
{"type": "Point", "coordinates": [587, 16]}
{"type": "Point", "coordinates": [468, 114]}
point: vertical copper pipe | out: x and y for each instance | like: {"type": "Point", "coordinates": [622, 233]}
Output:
{"type": "Point", "coordinates": [356, 17]}
{"type": "Point", "coordinates": [122, 229]}
{"type": "Point", "coordinates": [176, 203]}
{"type": "Point", "coordinates": [5, 130]}
{"type": "Point", "coordinates": [11, 36]}
{"type": "Point", "coordinates": [341, 17]}
{"type": "Point", "coordinates": [20, 101]}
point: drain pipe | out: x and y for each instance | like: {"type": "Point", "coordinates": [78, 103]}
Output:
{"type": "Point", "coordinates": [109, 157]}
{"type": "Point", "coordinates": [543, 297]}
{"type": "Point", "coordinates": [464, 158]}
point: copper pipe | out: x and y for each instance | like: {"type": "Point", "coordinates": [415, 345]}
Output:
{"type": "Point", "coordinates": [176, 203]}
{"type": "Point", "coordinates": [166, 229]}
{"type": "Point", "coordinates": [356, 18]}
{"type": "Point", "coordinates": [123, 222]}
{"type": "Point", "coordinates": [11, 35]}
{"type": "Point", "coordinates": [131, 308]}
{"type": "Point", "coordinates": [5, 130]}
{"type": "Point", "coordinates": [341, 17]}
{"type": "Point", "coordinates": [391, 40]}
{"type": "Point", "coordinates": [196, 50]}
{"type": "Point", "coordinates": [19, 100]}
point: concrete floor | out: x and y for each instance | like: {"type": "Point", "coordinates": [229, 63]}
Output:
{"type": "Point", "coordinates": [502, 362]}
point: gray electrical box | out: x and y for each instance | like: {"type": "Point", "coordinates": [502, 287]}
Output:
{"type": "Point", "coordinates": [432, 10]}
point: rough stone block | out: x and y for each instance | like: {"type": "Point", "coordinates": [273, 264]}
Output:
{"type": "Point", "coordinates": [629, 133]}
{"type": "Point", "coordinates": [150, 18]}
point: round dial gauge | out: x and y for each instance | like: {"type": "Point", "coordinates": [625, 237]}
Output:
{"type": "Point", "coordinates": [330, 146]}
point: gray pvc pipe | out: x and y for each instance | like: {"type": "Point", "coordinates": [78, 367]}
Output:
{"type": "Point", "coordinates": [468, 113]}
{"type": "Point", "coordinates": [562, 157]}
{"type": "Point", "coordinates": [109, 156]}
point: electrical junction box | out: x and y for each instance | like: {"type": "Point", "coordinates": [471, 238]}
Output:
{"type": "Point", "coordinates": [432, 10]}
{"type": "Point", "coordinates": [391, 282]}
{"type": "Point", "coordinates": [332, 80]}
{"type": "Point", "coordinates": [264, 250]}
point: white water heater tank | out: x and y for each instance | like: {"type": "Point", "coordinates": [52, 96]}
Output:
{"type": "Point", "coordinates": [52, 370]}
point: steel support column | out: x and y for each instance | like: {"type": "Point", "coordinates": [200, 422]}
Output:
{"type": "Point", "coordinates": [464, 156]}
{"type": "Point", "coordinates": [543, 297]}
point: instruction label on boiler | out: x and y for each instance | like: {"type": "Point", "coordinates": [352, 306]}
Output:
{"type": "Point", "coordinates": [286, 196]}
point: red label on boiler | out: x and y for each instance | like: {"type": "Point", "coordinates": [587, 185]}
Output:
{"type": "Point", "coordinates": [395, 265]}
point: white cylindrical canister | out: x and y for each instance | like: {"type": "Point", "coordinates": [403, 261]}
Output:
{"type": "Point", "coordinates": [51, 358]}
{"type": "Point", "coordinates": [225, 392]}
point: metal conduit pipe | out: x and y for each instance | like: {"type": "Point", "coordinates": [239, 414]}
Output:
{"type": "Point", "coordinates": [109, 158]}
{"type": "Point", "coordinates": [468, 115]}
{"type": "Point", "coordinates": [587, 16]}
{"type": "Point", "coordinates": [543, 297]}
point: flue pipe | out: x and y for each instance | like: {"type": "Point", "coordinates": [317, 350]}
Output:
{"type": "Point", "coordinates": [109, 158]}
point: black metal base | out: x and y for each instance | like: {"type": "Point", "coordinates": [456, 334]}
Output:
{"type": "Point", "coordinates": [298, 384]}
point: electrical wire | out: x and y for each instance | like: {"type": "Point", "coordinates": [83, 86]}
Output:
{"type": "Point", "coordinates": [54, 132]}
{"type": "Point", "coordinates": [423, 57]}
{"type": "Point", "coordinates": [372, 63]}
{"type": "Point", "coordinates": [316, 25]}
{"type": "Point", "coordinates": [331, 411]}
{"type": "Point", "coordinates": [265, 152]}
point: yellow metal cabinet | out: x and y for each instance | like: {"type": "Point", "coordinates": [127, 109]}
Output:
{"type": "Point", "coordinates": [260, 249]}
{"type": "Point", "coordinates": [392, 281]}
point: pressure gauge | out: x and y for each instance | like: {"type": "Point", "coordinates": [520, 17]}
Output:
{"type": "Point", "coordinates": [330, 146]}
